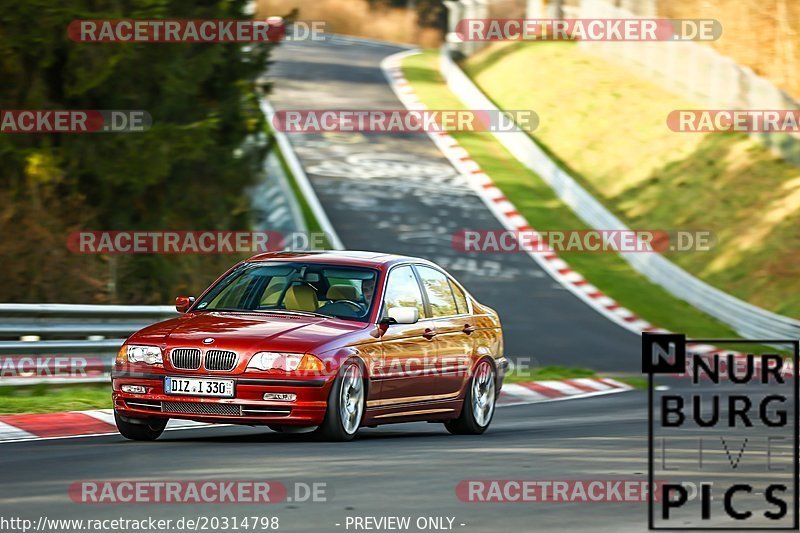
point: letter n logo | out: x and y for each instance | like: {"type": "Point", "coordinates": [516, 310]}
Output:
{"type": "Point", "coordinates": [663, 353]}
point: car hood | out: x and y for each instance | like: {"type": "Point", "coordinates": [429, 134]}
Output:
{"type": "Point", "coordinates": [248, 332]}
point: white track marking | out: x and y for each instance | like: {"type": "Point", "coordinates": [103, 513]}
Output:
{"type": "Point", "coordinates": [103, 415]}
{"type": "Point", "coordinates": [564, 388]}
{"type": "Point", "coordinates": [520, 393]}
{"type": "Point", "coordinates": [595, 384]}
{"type": "Point", "coordinates": [9, 432]}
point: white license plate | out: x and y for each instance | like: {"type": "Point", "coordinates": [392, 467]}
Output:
{"type": "Point", "coordinates": [221, 388]}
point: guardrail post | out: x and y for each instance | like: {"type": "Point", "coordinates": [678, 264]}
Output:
{"type": "Point", "coordinates": [455, 13]}
{"type": "Point", "coordinates": [535, 9]}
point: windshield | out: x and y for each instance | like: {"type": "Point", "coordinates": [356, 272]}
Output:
{"type": "Point", "coordinates": [320, 289]}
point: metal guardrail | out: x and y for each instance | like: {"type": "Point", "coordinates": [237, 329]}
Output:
{"type": "Point", "coordinates": [95, 331]}
{"type": "Point", "coordinates": [89, 334]}
{"type": "Point", "coordinates": [61, 347]}
{"type": "Point", "coordinates": [750, 321]}
{"type": "Point", "coordinates": [83, 310]}
{"type": "Point", "coordinates": [29, 328]}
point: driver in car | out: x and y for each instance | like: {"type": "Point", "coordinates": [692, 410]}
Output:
{"type": "Point", "coordinates": [367, 289]}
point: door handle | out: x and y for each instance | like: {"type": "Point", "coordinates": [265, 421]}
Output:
{"type": "Point", "coordinates": [429, 333]}
{"type": "Point", "coordinates": [468, 329]}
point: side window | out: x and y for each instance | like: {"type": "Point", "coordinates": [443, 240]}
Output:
{"type": "Point", "coordinates": [461, 299]}
{"type": "Point", "coordinates": [402, 290]}
{"type": "Point", "coordinates": [438, 290]}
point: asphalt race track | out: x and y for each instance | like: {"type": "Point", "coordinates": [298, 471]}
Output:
{"type": "Point", "coordinates": [397, 193]}
{"type": "Point", "coordinates": [408, 469]}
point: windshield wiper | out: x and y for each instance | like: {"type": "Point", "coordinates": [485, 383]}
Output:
{"type": "Point", "coordinates": [294, 311]}
{"type": "Point", "coordinates": [225, 310]}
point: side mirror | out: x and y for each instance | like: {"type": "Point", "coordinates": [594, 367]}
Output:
{"type": "Point", "coordinates": [403, 315]}
{"type": "Point", "coordinates": [183, 303]}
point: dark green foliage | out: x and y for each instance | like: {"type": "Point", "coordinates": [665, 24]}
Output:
{"type": "Point", "coordinates": [430, 13]}
{"type": "Point", "coordinates": [187, 172]}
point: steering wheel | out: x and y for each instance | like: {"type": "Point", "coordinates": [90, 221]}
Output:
{"type": "Point", "coordinates": [356, 305]}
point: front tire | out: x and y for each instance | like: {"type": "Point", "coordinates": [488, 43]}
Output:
{"type": "Point", "coordinates": [346, 403]}
{"type": "Point", "coordinates": [145, 429]}
{"type": "Point", "coordinates": [479, 403]}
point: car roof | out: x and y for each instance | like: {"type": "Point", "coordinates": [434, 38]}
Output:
{"type": "Point", "coordinates": [340, 257]}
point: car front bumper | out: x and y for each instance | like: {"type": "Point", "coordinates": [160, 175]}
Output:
{"type": "Point", "coordinates": [246, 407]}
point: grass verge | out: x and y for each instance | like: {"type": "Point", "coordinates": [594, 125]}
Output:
{"type": "Point", "coordinates": [522, 375]}
{"type": "Point", "coordinates": [54, 398]}
{"type": "Point", "coordinates": [634, 381]}
{"type": "Point", "coordinates": [537, 202]}
{"type": "Point", "coordinates": [310, 219]}
{"type": "Point", "coordinates": [606, 126]}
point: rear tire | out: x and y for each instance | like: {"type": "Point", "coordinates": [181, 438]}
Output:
{"type": "Point", "coordinates": [346, 405]}
{"type": "Point", "coordinates": [146, 429]}
{"type": "Point", "coordinates": [479, 402]}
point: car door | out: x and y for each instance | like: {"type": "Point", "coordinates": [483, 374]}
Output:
{"type": "Point", "coordinates": [405, 347]}
{"type": "Point", "coordinates": [451, 315]}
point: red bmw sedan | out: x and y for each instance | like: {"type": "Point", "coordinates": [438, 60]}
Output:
{"type": "Point", "coordinates": [322, 341]}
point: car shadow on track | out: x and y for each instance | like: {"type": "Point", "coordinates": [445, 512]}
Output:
{"type": "Point", "coordinates": [364, 435]}
{"type": "Point", "coordinates": [270, 436]}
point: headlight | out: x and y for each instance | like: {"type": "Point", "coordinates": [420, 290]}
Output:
{"type": "Point", "coordinates": [288, 362]}
{"type": "Point", "coordinates": [150, 355]}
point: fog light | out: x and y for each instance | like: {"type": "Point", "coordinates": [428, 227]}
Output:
{"type": "Point", "coordinates": [280, 396]}
{"type": "Point", "coordinates": [133, 389]}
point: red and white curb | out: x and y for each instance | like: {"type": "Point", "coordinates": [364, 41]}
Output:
{"type": "Point", "coordinates": [508, 215]}
{"type": "Point", "coordinates": [24, 427]}
{"type": "Point", "coordinates": [551, 391]}
{"type": "Point", "coordinates": [44, 426]}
